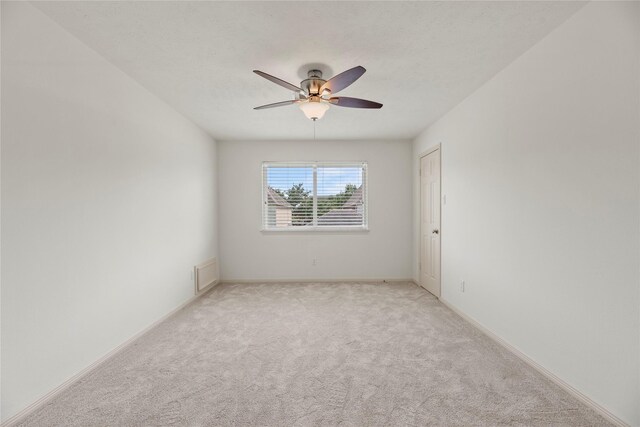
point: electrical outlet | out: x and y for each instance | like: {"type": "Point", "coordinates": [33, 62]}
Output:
{"type": "Point", "coordinates": [314, 261]}
{"type": "Point", "coordinates": [462, 286]}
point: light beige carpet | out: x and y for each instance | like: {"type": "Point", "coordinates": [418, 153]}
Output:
{"type": "Point", "coordinates": [315, 354]}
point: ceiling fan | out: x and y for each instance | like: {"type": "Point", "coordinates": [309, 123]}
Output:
{"type": "Point", "coordinates": [313, 96]}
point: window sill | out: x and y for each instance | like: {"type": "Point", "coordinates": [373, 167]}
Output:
{"type": "Point", "coordinates": [314, 230]}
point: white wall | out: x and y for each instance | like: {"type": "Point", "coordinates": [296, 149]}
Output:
{"type": "Point", "coordinates": [108, 200]}
{"type": "Point", "coordinates": [249, 254]}
{"type": "Point", "coordinates": [540, 170]}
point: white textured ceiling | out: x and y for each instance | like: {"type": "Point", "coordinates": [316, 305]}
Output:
{"type": "Point", "coordinates": [422, 58]}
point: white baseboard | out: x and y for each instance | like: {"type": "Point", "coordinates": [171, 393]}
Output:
{"type": "Point", "coordinates": [65, 385]}
{"type": "Point", "coordinates": [535, 365]}
{"type": "Point", "coordinates": [270, 281]}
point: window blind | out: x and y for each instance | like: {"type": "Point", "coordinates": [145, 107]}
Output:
{"type": "Point", "coordinates": [314, 195]}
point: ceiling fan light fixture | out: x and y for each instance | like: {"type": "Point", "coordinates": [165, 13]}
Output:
{"type": "Point", "coordinates": [314, 95]}
{"type": "Point", "coordinates": [314, 110]}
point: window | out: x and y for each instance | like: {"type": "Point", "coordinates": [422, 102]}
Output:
{"type": "Point", "coordinates": [314, 196]}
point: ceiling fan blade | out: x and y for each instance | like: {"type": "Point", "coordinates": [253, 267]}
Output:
{"type": "Point", "coordinates": [278, 81]}
{"type": "Point", "coordinates": [276, 104]}
{"type": "Point", "coordinates": [344, 101]}
{"type": "Point", "coordinates": [342, 80]}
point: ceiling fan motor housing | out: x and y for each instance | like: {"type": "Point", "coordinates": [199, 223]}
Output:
{"type": "Point", "coordinates": [314, 82]}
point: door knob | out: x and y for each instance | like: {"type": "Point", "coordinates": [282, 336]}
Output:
{"type": "Point", "coordinates": [435, 231]}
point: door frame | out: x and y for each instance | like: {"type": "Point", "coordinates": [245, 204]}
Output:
{"type": "Point", "coordinates": [430, 150]}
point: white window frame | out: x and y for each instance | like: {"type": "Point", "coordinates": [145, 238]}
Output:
{"type": "Point", "coordinates": [315, 227]}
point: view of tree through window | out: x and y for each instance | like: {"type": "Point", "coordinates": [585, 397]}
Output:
{"type": "Point", "coordinates": [289, 195]}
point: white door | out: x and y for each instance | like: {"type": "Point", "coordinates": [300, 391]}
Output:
{"type": "Point", "coordinates": [430, 222]}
